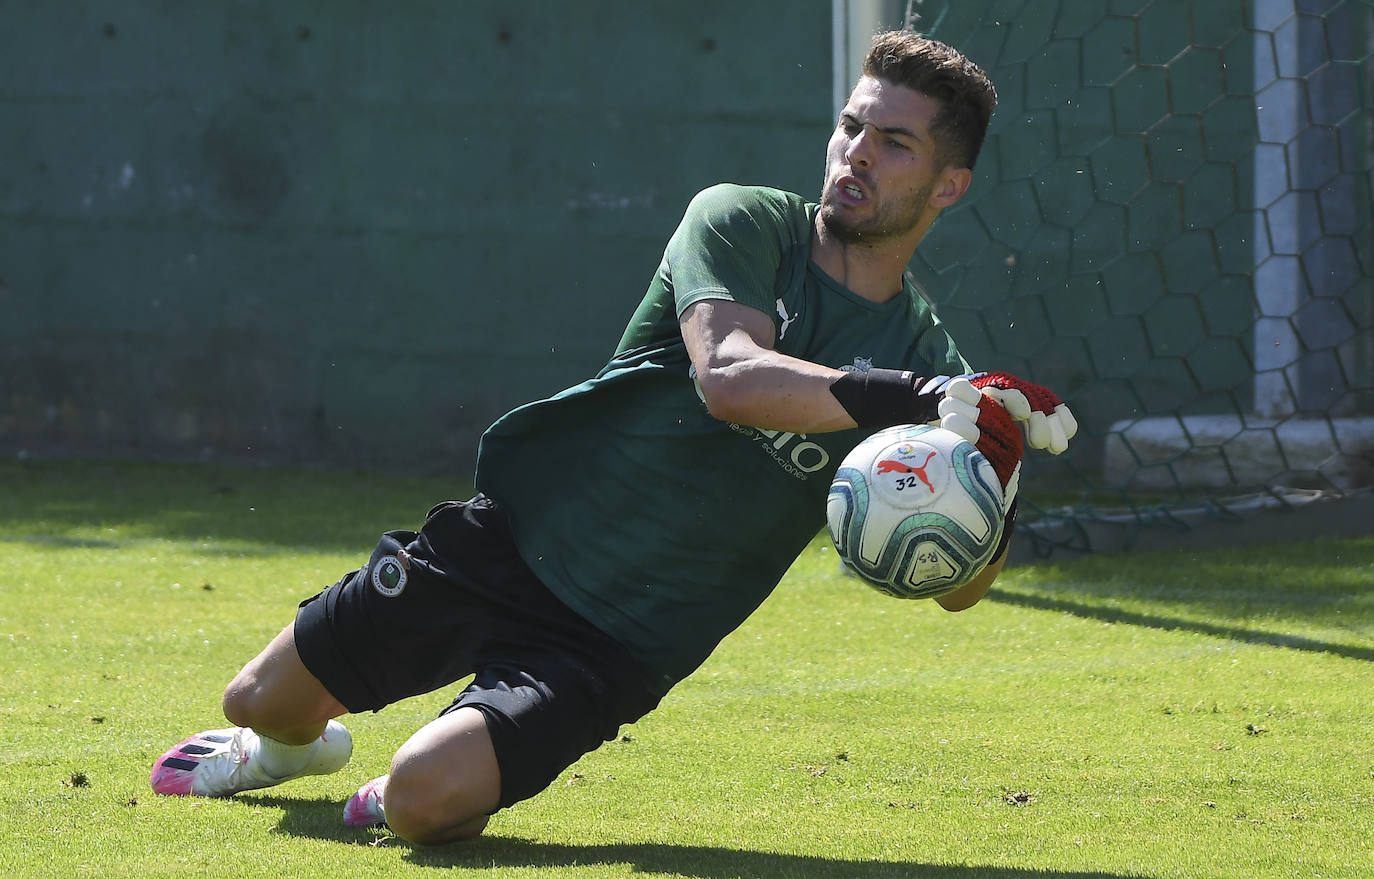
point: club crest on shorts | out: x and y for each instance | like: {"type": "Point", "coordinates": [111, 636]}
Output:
{"type": "Point", "coordinates": [389, 576]}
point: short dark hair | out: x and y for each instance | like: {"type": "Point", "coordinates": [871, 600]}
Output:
{"type": "Point", "coordinates": [966, 95]}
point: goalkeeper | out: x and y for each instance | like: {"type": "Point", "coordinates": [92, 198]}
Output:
{"type": "Point", "coordinates": [627, 524]}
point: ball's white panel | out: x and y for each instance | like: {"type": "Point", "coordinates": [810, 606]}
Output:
{"type": "Point", "coordinates": [915, 510]}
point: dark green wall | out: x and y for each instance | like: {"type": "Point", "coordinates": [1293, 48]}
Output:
{"type": "Point", "coordinates": [314, 232]}
{"type": "Point", "coordinates": [323, 232]}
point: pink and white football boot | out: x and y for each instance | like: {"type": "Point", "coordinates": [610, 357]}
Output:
{"type": "Point", "coordinates": [220, 762]}
{"type": "Point", "coordinates": [364, 809]}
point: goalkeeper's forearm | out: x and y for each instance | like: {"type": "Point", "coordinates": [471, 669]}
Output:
{"type": "Point", "coordinates": [972, 592]}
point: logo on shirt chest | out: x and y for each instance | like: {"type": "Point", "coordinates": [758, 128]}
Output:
{"type": "Point", "coordinates": [860, 364]}
{"type": "Point", "coordinates": [786, 320]}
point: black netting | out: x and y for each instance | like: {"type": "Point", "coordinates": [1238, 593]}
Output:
{"type": "Point", "coordinates": [1170, 225]}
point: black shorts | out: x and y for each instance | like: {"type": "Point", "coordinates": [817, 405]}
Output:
{"type": "Point", "coordinates": [455, 599]}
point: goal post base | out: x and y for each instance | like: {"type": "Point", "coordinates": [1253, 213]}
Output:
{"type": "Point", "coordinates": [1240, 452]}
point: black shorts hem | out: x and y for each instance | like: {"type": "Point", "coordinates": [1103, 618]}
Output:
{"type": "Point", "coordinates": [496, 723]}
{"type": "Point", "coordinates": [321, 655]}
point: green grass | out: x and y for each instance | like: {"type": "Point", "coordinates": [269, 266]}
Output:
{"type": "Point", "coordinates": [1161, 715]}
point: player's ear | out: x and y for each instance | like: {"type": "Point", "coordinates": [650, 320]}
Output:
{"type": "Point", "coordinates": [952, 185]}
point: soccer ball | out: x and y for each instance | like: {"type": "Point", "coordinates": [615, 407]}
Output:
{"type": "Point", "coordinates": [915, 511]}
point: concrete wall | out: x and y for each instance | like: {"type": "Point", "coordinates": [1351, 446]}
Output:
{"type": "Point", "coordinates": [353, 234]}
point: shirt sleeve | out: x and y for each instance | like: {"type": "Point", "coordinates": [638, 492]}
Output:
{"type": "Point", "coordinates": [730, 246]}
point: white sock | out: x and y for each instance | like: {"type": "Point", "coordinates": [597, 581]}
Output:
{"type": "Point", "coordinates": [282, 761]}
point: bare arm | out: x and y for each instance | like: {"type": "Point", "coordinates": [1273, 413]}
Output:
{"type": "Point", "coordinates": [744, 380]}
{"type": "Point", "coordinates": [972, 592]}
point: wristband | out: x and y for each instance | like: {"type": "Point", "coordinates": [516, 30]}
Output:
{"type": "Point", "coordinates": [879, 398]}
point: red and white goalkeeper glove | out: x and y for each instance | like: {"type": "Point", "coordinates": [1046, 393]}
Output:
{"type": "Point", "coordinates": [1049, 423]}
{"type": "Point", "coordinates": [984, 422]}
{"type": "Point", "coordinates": [999, 439]}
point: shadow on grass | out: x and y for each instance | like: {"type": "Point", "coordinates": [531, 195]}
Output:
{"type": "Point", "coordinates": [111, 504]}
{"type": "Point", "coordinates": [313, 818]}
{"type": "Point", "coordinates": [321, 819]}
{"type": "Point", "coordinates": [1169, 624]}
{"type": "Point", "coordinates": [708, 862]}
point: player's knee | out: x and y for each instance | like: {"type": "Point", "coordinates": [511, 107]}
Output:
{"type": "Point", "coordinates": [241, 701]}
{"type": "Point", "coordinates": [252, 700]}
{"type": "Point", "coordinates": [425, 809]}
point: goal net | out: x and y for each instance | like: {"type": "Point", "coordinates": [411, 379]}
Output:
{"type": "Point", "coordinates": [1170, 225]}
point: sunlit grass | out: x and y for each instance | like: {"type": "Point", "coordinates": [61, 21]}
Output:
{"type": "Point", "coordinates": [1170, 714]}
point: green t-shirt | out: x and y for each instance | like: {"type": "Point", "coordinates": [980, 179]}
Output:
{"type": "Point", "coordinates": [662, 525]}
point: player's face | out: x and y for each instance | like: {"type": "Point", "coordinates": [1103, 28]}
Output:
{"type": "Point", "coordinates": [881, 171]}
